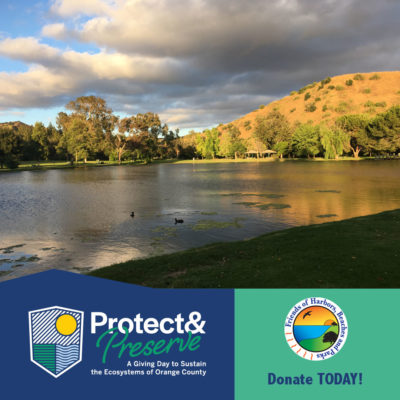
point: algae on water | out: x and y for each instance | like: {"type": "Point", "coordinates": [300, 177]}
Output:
{"type": "Point", "coordinates": [206, 224]}
{"type": "Point", "coordinates": [247, 203]}
{"type": "Point", "coordinates": [10, 249]}
{"type": "Point", "coordinates": [165, 230]}
{"type": "Point", "coordinates": [275, 206]}
{"type": "Point", "coordinates": [264, 206]}
{"type": "Point", "coordinates": [157, 241]}
{"type": "Point", "coordinates": [264, 195]}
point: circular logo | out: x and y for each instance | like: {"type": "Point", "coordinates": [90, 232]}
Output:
{"type": "Point", "coordinates": [316, 328]}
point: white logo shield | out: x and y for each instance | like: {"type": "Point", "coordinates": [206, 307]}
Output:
{"type": "Point", "coordinates": [56, 335]}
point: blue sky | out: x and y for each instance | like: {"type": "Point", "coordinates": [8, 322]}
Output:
{"type": "Point", "coordinates": [21, 18]}
{"type": "Point", "coordinates": [197, 63]}
{"type": "Point", "coordinates": [24, 18]}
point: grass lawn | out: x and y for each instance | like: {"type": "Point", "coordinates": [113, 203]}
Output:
{"type": "Point", "coordinates": [361, 252]}
{"type": "Point", "coordinates": [43, 165]}
{"type": "Point", "coordinates": [318, 344]}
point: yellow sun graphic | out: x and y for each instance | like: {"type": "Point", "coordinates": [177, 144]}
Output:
{"type": "Point", "coordinates": [66, 324]}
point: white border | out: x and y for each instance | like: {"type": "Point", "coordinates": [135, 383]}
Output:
{"type": "Point", "coordinates": [31, 344]}
{"type": "Point", "coordinates": [291, 340]}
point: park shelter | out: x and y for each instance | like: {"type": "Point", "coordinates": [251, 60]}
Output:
{"type": "Point", "coordinates": [260, 154]}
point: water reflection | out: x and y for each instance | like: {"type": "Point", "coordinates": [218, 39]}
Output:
{"type": "Point", "coordinates": [80, 219]}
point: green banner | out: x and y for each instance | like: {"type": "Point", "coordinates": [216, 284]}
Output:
{"type": "Point", "coordinates": [364, 366]}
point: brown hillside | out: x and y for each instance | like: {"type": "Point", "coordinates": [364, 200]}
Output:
{"type": "Point", "coordinates": [365, 95]}
{"type": "Point", "coordinates": [15, 125]}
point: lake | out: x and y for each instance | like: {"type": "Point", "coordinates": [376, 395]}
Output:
{"type": "Point", "coordinates": [79, 219]}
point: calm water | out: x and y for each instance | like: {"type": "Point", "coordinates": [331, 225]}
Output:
{"type": "Point", "coordinates": [80, 219]}
{"type": "Point", "coordinates": [302, 332]}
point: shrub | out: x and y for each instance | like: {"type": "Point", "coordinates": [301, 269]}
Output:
{"type": "Point", "coordinates": [326, 115]}
{"type": "Point", "coordinates": [296, 98]}
{"type": "Point", "coordinates": [331, 87]}
{"type": "Point", "coordinates": [380, 104]}
{"type": "Point", "coordinates": [398, 92]}
{"type": "Point", "coordinates": [11, 163]}
{"type": "Point", "coordinates": [374, 77]}
{"type": "Point", "coordinates": [342, 107]}
{"type": "Point", "coordinates": [326, 80]}
{"type": "Point", "coordinates": [307, 96]}
{"type": "Point", "coordinates": [368, 104]}
{"type": "Point", "coordinates": [358, 77]}
{"type": "Point", "coordinates": [349, 82]}
{"type": "Point", "coordinates": [292, 110]}
{"type": "Point", "coordinates": [318, 99]}
{"type": "Point", "coordinates": [367, 91]}
{"type": "Point", "coordinates": [247, 125]}
{"type": "Point", "coordinates": [293, 93]}
{"type": "Point", "coordinates": [261, 106]}
{"type": "Point", "coordinates": [324, 108]}
{"type": "Point", "coordinates": [311, 107]}
{"type": "Point", "coordinates": [338, 87]}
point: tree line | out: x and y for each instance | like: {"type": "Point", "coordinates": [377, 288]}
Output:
{"type": "Point", "coordinates": [352, 134]}
{"type": "Point", "coordinates": [89, 130]}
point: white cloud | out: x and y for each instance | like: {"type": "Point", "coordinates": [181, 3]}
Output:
{"type": "Point", "coordinates": [68, 8]}
{"type": "Point", "coordinates": [55, 73]}
{"type": "Point", "coordinates": [27, 49]}
{"type": "Point", "coordinates": [57, 31]}
{"type": "Point", "coordinates": [196, 62]}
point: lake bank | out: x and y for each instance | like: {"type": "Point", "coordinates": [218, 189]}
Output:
{"type": "Point", "coordinates": [49, 165]}
{"type": "Point", "coordinates": [44, 165]}
{"type": "Point", "coordinates": [361, 252]}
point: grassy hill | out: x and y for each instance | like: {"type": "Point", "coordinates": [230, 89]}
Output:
{"type": "Point", "coordinates": [370, 93]}
{"type": "Point", "coordinates": [318, 344]}
{"type": "Point", "coordinates": [15, 125]}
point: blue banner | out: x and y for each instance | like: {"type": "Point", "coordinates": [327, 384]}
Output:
{"type": "Point", "coordinates": [67, 336]}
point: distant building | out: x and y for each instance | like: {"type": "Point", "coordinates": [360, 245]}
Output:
{"type": "Point", "coordinates": [260, 154]}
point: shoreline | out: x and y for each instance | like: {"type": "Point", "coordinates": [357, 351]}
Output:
{"type": "Point", "coordinates": [360, 252]}
{"type": "Point", "coordinates": [44, 165]}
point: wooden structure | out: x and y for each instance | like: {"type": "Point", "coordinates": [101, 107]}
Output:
{"type": "Point", "coordinates": [259, 154]}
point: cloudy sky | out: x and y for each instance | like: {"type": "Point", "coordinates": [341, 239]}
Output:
{"type": "Point", "coordinates": [195, 62]}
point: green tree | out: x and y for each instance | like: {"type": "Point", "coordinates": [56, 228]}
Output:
{"type": "Point", "coordinates": [120, 143]}
{"type": "Point", "coordinates": [231, 144]}
{"type": "Point", "coordinates": [40, 136]}
{"type": "Point", "coordinates": [282, 148]}
{"type": "Point", "coordinates": [272, 129]}
{"type": "Point", "coordinates": [10, 147]}
{"type": "Point", "coordinates": [145, 131]}
{"type": "Point", "coordinates": [53, 139]}
{"type": "Point", "coordinates": [79, 139]}
{"type": "Point", "coordinates": [355, 126]}
{"type": "Point", "coordinates": [170, 144]}
{"type": "Point", "coordinates": [99, 122]}
{"type": "Point", "coordinates": [208, 143]}
{"type": "Point", "coordinates": [305, 141]}
{"type": "Point", "coordinates": [384, 131]}
{"type": "Point", "coordinates": [334, 141]}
